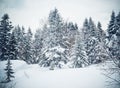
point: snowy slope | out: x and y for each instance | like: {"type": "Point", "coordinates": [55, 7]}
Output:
{"type": "Point", "coordinates": [32, 76]}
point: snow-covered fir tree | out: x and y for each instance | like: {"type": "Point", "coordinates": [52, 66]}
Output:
{"type": "Point", "coordinates": [100, 32]}
{"type": "Point", "coordinates": [113, 45]}
{"type": "Point", "coordinates": [19, 35]}
{"type": "Point", "coordinates": [9, 71]}
{"type": "Point", "coordinates": [53, 57]}
{"type": "Point", "coordinates": [90, 40]}
{"type": "Point", "coordinates": [100, 48]}
{"type": "Point", "coordinates": [37, 45]}
{"type": "Point", "coordinates": [70, 32]}
{"type": "Point", "coordinates": [94, 47]}
{"type": "Point", "coordinates": [111, 29]}
{"type": "Point", "coordinates": [92, 27]}
{"type": "Point", "coordinates": [113, 37]}
{"type": "Point", "coordinates": [5, 28]}
{"type": "Point", "coordinates": [27, 54]}
{"type": "Point", "coordinates": [79, 57]}
{"type": "Point", "coordinates": [13, 53]}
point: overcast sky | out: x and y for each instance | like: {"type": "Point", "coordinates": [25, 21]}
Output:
{"type": "Point", "coordinates": [30, 12]}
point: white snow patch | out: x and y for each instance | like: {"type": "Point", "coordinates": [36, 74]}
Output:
{"type": "Point", "coordinates": [33, 76]}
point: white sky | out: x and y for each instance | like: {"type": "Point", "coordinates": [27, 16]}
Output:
{"type": "Point", "coordinates": [30, 12]}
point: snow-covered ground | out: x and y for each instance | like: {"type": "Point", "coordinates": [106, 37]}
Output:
{"type": "Point", "coordinates": [33, 76]}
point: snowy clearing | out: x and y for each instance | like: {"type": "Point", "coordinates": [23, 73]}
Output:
{"type": "Point", "coordinates": [33, 76]}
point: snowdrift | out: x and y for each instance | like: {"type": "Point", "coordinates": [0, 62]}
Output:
{"type": "Point", "coordinates": [33, 76]}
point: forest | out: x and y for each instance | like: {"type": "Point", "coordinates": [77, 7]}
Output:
{"type": "Point", "coordinates": [61, 44]}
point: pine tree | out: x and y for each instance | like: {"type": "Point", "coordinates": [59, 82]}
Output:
{"type": "Point", "coordinates": [100, 32]}
{"type": "Point", "coordinates": [113, 46]}
{"type": "Point", "coordinates": [52, 56]}
{"type": "Point", "coordinates": [19, 35]}
{"type": "Point", "coordinates": [92, 27]}
{"type": "Point", "coordinates": [110, 29]}
{"type": "Point", "coordinates": [5, 28]}
{"type": "Point", "coordinates": [54, 18]}
{"type": "Point", "coordinates": [28, 47]}
{"type": "Point", "coordinates": [113, 40]}
{"type": "Point", "coordinates": [100, 52]}
{"type": "Point", "coordinates": [85, 29]}
{"type": "Point", "coordinates": [13, 53]}
{"type": "Point", "coordinates": [9, 71]}
{"type": "Point", "coordinates": [38, 45]}
{"type": "Point", "coordinates": [79, 57]}
{"type": "Point", "coordinates": [94, 39]}
{"type": "Point", "coordinates": [118, 36]}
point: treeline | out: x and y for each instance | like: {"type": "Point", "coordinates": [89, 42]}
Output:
{"type": "Point", "coordinates": [59, 43]}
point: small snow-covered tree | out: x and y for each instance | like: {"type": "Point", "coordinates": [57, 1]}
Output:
{"type": "Point", "coordinates": [9, 71]}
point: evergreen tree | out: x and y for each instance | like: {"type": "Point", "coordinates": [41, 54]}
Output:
{"type": "Point", "coordinates": [118, 47]}
{"type": "Point", "coordinates": [55, 23]}
{"type": "Point", "coordinates": [101, 54]}
{"type": "Point", "coordinates": [5, 28]}
{"type": "Point", "coordinates": [54, 18]}
{"type": "Point", "coordinates": [79, 57]}
{"type": "Point", "coordinates": [113, 45]}
{"type": "Point", "coordinates": [52, 57]}
{"type": "Point", "coordinates": [110, 29]}
{"type": "Point", "coordinates": [13, 53]}
{"type": "Point", "coordinates": [9, 71]}
{"type": "Point", "coordinates": [28, 47]}
{"type": "Point", "coordinates": [93, 38]}
{"type": "Point", "coordinates": [38, 45]}
{"type": "Point", "coordinates": [19, 35]}
{"type": "Point", "coordinates": [100, 32]}
{"type": "Point", "coordinates": [85, 29]}
{"type": "Point", "coordinates": [92, 27]}
{"type": "Point", "coordinates": [114, 37]}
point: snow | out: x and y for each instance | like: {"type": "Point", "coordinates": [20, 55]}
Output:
{"type": "Point", "coordinates": [57, 49]}
{"type": "Point", "coordinates": [34, 76]}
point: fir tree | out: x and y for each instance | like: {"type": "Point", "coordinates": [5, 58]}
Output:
{"type": "Point", "coordinates": [113, 45]}
{"type": "Point", "coordinates": [79, 57]}
{"type": "Point", "coordinates": [110, 29]}
{"type": "Point", "coordinates": [54, 38]}
{"type": "Point", "coordinates": [13, 53]}
{"type": "Point", "coordinates": [9, 71]}
{"type": "Point", "coordinates": [28, 47]}
{"type": "Point", "coordinates": [114, 37]}
{"type": "Point", "coordinates": [93, 38]}
{"type": "Point", "coordinates": [100, 34]}
{"type": "Point", "coordinates": [5, 28]}
{"type": "Point", "coordinates": [19, 35]}
{"type": "Point", "coordinates": [85, 29]}
{"type": "Point", "coordinates": [92, 27]}
{"type": "Point", "coordinates": [38, 45]}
